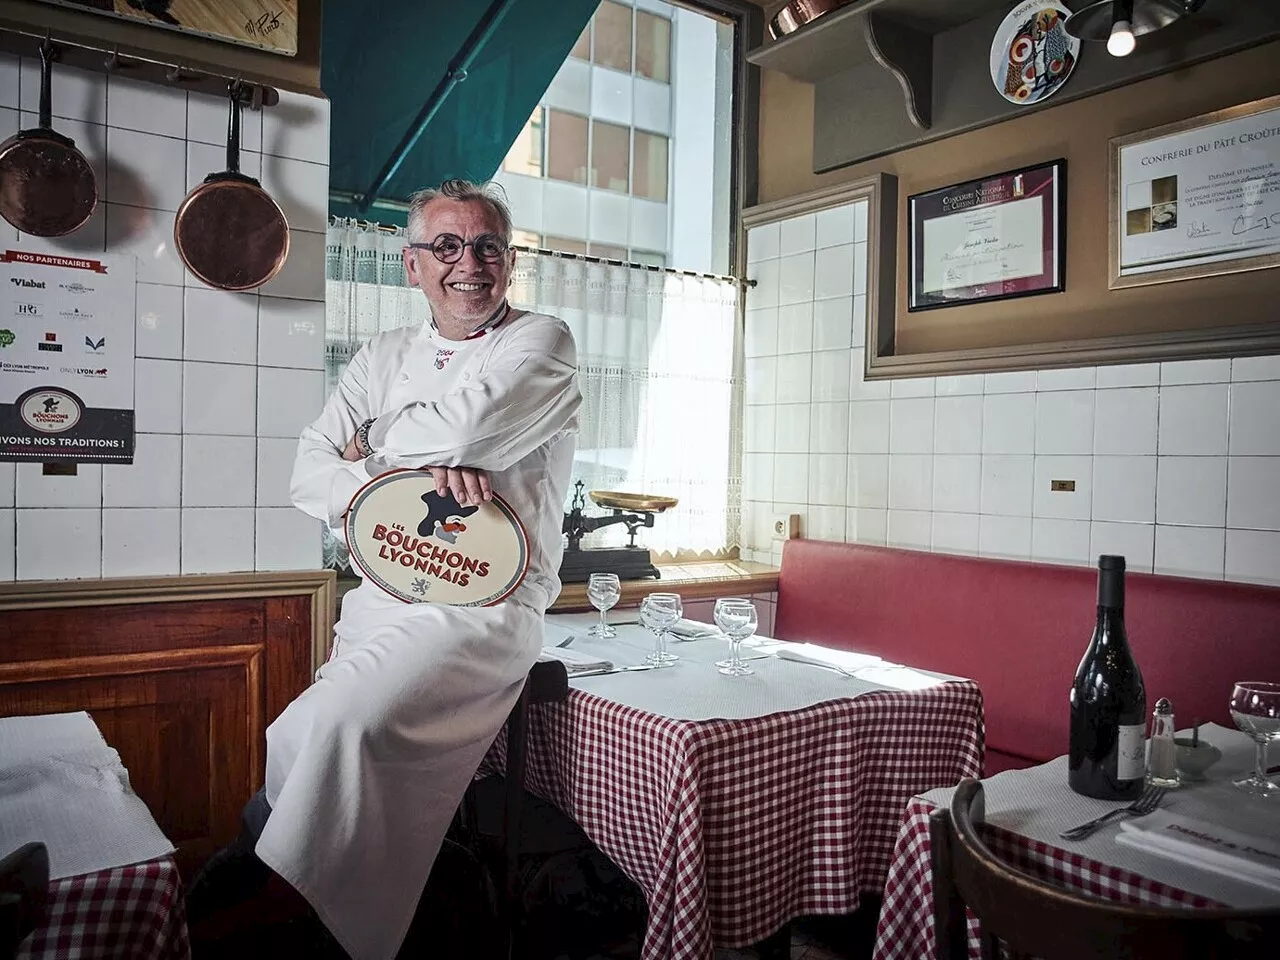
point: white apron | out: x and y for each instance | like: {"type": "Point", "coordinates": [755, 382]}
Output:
{"type": "Point", "coordinates": [366, 768]}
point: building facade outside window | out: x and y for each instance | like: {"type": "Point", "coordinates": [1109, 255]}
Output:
{"type": "Point", "coordinates": [628, 156]}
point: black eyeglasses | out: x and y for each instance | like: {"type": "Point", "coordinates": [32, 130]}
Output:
{"type": "Point", "coordinates": [448, 247]}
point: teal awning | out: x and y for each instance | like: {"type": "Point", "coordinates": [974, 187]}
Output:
{"type": "Point", "coordinates": [381, 63]}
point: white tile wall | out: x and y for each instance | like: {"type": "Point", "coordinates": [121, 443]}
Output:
{"type": "Point", "coordinates": [1176, 465]}
{"type": "Point", "coordinates": [208, 489]}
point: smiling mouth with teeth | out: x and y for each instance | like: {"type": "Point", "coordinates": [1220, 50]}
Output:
{"type": "Point", "coordinates": [465, 287]}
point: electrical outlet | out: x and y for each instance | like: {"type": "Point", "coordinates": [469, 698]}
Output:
{"type": "Point", "coordinates": [786, 526]}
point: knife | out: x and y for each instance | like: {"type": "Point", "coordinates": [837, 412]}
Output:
{"type": "Point", "coordinates": [601, 673]}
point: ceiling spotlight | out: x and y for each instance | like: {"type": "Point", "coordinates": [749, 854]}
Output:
{"type": "Point", "coordinates": [1120, 22]}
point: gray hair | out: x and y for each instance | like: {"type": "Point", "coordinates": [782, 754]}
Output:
{"type": "Point", "coordinates": [489, 193]}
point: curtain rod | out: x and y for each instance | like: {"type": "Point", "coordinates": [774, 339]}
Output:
{"type": "Point", "coordinates": [384, 228]}
{"type": "Point", "coordinates": [637, 266]}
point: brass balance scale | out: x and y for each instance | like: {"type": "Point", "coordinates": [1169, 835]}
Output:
{"type": "Point", "coordinates": [630, 562]}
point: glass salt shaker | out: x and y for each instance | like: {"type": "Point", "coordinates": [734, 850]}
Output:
{"type": "Point", "coordinates": [1161, 752]}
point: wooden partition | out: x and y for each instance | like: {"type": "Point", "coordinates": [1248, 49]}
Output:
{"type": "Point", "coordinates": [181, 674]}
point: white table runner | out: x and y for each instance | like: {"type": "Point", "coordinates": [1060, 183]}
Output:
{"type": "Point", "coordinates": [1037, 803]}
{"type": "Point", "coordinates": [61, 784]}
{"type": "Point", "coordinates": [693, 689]}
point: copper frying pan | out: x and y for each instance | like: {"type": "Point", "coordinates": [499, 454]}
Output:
{"type": "Point", "coordinates": [47, 187]}
{"type": "Point", "coordinates": [799, 12]}
{"type": "Point", "coordinates": [229, 231]}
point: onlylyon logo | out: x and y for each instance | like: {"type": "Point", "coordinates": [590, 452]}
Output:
{"type": "Point", "coordinates": [95, 346]}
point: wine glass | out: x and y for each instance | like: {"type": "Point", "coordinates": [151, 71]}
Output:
{"type": "Point", "coordinates": [737, 620]}
{"type": "Point", "coordinates": [660, 612]}
{"type": "Point", "coordinates": [604, 591]}
{"type": "Point", "coordinates": [1255, 707]}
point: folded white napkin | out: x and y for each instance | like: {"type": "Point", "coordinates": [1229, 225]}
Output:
{"type": "Point", "coordinates": [575, 661]}
{"type": "Point", "coordinates": [1252, 859]}
{"type": "Point", "coordinates": [693, 629]}
{"type": "Point", "coordinates": [844, 660]}
{"type": "Point", "coordinates": [897, 677]}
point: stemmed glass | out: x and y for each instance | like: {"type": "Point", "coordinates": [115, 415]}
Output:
{"type": "Point", "coordinates": [604, 591]}
{"type": "Point", "coordinates": [737, 620]}
{"type": "Point", "coordinates": [1255, 707]}
{"type": "Point", "coordinates": [660, 612]}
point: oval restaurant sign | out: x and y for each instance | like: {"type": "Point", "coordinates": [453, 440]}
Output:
{"type": "Point", "coordinates": [421, 547]}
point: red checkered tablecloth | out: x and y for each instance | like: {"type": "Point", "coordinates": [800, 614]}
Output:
{"type": "Point", "coordinates": [733, 827]}
{"type": "Point", "coordinates": [124, 913]}
{"type": "Point", "coordinates": [905, 930]}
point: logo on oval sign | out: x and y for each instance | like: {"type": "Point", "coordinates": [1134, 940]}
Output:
{"type": "Point", "coordinates": [422, 547]}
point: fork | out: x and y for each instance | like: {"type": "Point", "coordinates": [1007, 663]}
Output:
{"type": "Point", "coordinates": [1145, 804]}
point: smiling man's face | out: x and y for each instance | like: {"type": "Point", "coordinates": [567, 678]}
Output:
{"type": "Point", "coordinates": [465, 294]}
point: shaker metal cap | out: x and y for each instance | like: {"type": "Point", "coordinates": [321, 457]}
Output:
{"type": "Point", "coordinates": [1164, 706]}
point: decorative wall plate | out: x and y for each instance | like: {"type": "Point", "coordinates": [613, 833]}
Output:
{"type": "Point", "coordinates": [1032, 55]}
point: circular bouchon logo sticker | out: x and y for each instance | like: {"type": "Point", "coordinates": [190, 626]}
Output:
{"type": "Point", "coordinates": [421, 547]}
{"type": "Point", "coordinates": [50, 410]}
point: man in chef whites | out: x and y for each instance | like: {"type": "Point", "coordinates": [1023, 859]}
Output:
{"type": "Point", "coordinates": [366, 768]}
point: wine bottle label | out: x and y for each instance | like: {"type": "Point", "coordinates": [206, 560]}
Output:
{"type": "Point", "coordinates": [1131, 754]}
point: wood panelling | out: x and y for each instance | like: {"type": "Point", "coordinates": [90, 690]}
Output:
{"type": "Point", "coordinates": [181, 674]}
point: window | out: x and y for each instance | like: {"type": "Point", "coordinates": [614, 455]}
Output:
{"type": "Point", "coordinates": [651, 167]}
{"type": "Point", "coordinates": [565, 245]}
{"type": "Point", "coordinates": [525, 238]}
{"type": "Point", "coordinates": [525, 155]}
{"type": "Point", "coordinates": [607, 251]}
{"type": "Point", "coordinates": [653, 46]}
{"type": "Point", "coordinates": [566, 146]}
{"type": "Point", "coordinates": [613, 36]}
{"type": "Point", "coordinates": [582, 49]}
{"type": "Point", "coordinates": [610, 156]}
{"type": "Point", "coordinates": [648, 258]}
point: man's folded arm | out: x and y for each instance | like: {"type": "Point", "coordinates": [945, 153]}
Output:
{"type": "Point", "coordinates": [526, 397]}
{"type": "Point", "coordinates": [323, 483]}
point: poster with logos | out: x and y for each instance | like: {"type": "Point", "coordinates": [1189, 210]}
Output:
{"type": "Point", "coordinates": [66, 358]}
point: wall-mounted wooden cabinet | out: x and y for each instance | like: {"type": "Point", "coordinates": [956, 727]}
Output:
{"type": "Point", "coordinates": [181, 674]}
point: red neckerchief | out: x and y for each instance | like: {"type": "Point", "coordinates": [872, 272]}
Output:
{"type": "Point", "coordinates": [493, 323]}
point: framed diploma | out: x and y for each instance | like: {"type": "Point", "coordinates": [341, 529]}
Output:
{"type": "Point", "coordinates": [989, 239]}
{"type": "Point", "coordinates": [1197, 198]}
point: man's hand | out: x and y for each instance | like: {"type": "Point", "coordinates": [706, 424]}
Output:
{"type": "Point", "coordinates": [468, 486]}
{"type": "Point", "coordinates": [352, 452]}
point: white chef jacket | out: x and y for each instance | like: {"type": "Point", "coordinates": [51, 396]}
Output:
{"type": "Point", "coordinates": [366, 768]}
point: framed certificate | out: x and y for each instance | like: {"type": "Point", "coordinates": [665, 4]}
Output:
{"type": "Point", "coordinates": [1197, 198]}
{"type": "Point", "coordinates": [989, 239]}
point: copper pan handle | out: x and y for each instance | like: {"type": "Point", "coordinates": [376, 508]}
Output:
{"type": "Point", "coordinates": [48, 53]}
{"type": "Point", "coordinates": [233, 128]}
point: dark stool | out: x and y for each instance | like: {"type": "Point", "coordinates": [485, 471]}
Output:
{"type": "Point", "coordinates": [24, 891]}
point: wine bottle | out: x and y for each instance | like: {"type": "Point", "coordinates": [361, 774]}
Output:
{"type": "Point", "coordinates": [1107, 757]}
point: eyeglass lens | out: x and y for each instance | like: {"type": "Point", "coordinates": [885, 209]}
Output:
{"type": "Point", "coordinates": [448, 247]}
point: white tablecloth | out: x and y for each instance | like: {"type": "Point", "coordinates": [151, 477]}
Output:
{"type": "Point", "coordinates": [61, 784]}
{"type": "Point", "coordinates": [1038, 804]}
{"type": "Point", "coordinates": [693, 689]}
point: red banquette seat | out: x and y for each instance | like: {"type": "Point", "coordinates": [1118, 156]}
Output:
{"type": "Point", "coordinates": [1019, 630]}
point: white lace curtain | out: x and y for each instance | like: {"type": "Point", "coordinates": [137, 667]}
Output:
{"type": "Point", "coordinates": [657, 361]}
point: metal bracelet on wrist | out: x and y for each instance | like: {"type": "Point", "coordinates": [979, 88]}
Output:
{"type": "Point", "coordinates": [362, 439]}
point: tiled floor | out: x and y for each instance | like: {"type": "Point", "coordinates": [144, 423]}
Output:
{"type": "Point", "coordinates": [815, 939]}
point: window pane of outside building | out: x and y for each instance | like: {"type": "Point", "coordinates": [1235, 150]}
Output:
{"type": "Point", "coordinates": [582, 49]}
{"type": "Point", "coordinates": [525, 238]}
{"type": "Point", "coordinates": [610, 156]}
{"type": "Point", "coordinates": [613, 36]}
{"type": "Point", "coordinates": [607, 251]}
{"type": "Point", "coordinates": [653, 46]}
{"type": "Point", "coordinates": [525, 155]}
{"type": "Point", "coordinates": [566, 146]}
{"type": "Point", "coordinates": [648, 258]}
{"type": "Point", "coordinates": [651, 166]}
{"type": "Point", "coordinates": [564, 245]}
